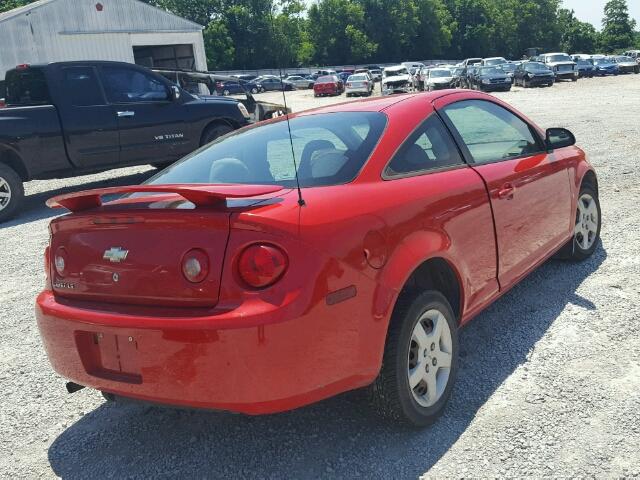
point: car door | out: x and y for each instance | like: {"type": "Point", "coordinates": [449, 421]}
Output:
{"type": "Point", "coordinates": [152, 125]}
{"type": "Point", "coordinates": [529, 188]}
{"type": "Point", "coordinates": [89, 127]}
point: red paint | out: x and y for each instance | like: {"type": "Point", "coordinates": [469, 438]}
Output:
{"type": "Point", "coordinates": [320, 328]}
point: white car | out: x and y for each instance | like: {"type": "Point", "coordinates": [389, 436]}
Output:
{"type": "Point", "coordinates": [437, 79]}
{"type": "Point", "coordinates": [626, 64]}
{"type": "Point", "coordinates": [300, 82]}
{"type": "Point", "coordinates": [359, 84]}
{"type": "Point", "coordinates": [493, 61]}
{"type": "Point", "coordinates": [396, 79]}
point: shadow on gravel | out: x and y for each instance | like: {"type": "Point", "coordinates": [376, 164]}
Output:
{"type": "Point", "coordinates": [34, 208]}
{"type": "Point", "coordinates": [337, 438]}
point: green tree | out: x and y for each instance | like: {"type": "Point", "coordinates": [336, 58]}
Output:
{"type": "Point", "coordinates": [6, 5]}
{"type": "Point", "coordinates": [618, 27]}
{"type": "Point", "coordinates": [337, 30]}
{"type": "Point", "coordinates": [576, 36]}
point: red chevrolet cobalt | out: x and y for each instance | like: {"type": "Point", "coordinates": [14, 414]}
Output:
{"type": "Point", "coordinates": [219, 284]}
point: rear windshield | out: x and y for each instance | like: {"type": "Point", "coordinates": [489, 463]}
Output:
{"type": "Point", "coordinates": [330, 149]}
{"type": "Point", "coordinates": [27, 87]}
{"type": "Point", "coordinates": [327, 79]}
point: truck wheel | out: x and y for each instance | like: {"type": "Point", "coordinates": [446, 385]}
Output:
{"type": "Point", "coordinates": [11, 192]}
{"type": "Point", "coordinates": [214, 131]}
{"type": "Point", "coordinates": [420, 360]}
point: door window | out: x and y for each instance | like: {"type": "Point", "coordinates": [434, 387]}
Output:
{"type": "Point", "coordinates": [81, 87]}
{"type": "Point", "coordinates": [127, 85]}
{"type": "Point", "coordinates": [428, 148]}
{"type": "Point", "coordinates": [490, 132]}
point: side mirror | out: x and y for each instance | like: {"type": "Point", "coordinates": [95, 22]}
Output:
{"type": "Point", "coordinates": [559, 138]}
{"type": "Point", "coordinates": [175, 93]}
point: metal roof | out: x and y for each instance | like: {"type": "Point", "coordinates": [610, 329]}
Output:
{"type": "Point", "coordinates": [186, 25]}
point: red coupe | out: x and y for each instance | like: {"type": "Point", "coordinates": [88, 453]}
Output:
{"type": "Point", "coordinates": [218, 284]}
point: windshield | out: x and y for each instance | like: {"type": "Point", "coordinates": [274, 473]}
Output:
{"type": "Point", "coordinates": [356, 78]}
{"type": "Point", "coordinates": [535, 67]}
{"type": "Point", "coordinates": [601, 61]}
{"type": "Point", "coordinates": [491, 71]}
{"type": "Point", "coordinates": [494, 61]}
{"type": "Point", "coordinates": [440, 73]}
{"type": "Point", "coordinates": [330, 149]}
{"type": "Point", "coordinates": [396, 72]}
{"type": "Point", "coordinates": [508, 67]}
{"type": "Point", "coordinates": [625, 60]}
{"type": "Point", "coordinates": [327, 79]}
{"type": "Point", "coordinates": [559, 58]}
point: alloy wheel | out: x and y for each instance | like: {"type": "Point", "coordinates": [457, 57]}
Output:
{"type": "Point", "coordinates": [5, 194]}
{"type": "Point", "coordinates": [586, 229]}
{"type": "Point", "coordinates": [429, 360]}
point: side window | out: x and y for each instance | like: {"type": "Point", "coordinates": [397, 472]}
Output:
{"type": "Point", "coordinates": [127, 85]}
{"type": "Point", "coordinates": [81, 87]}
{"type": "Point", "coordinates": [428, 148]}
{"type": "Point", "coordinates": [490, 132]}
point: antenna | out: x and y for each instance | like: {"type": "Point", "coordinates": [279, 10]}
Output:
{"type": "Point", "coordinates": [301, 201]}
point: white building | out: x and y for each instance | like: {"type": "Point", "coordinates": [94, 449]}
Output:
{"type": "Point", "coordinates": [123, 30]}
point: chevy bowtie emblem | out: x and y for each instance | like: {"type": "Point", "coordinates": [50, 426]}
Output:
{"type": "Point", "coordinates": [115, 254]}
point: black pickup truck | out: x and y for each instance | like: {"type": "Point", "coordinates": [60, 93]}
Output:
{"type": "Point", "coordinates": [73, 118]}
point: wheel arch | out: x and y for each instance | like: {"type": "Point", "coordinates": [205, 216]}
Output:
{"type": "Point", "coordinates": [12, 159]}
{"type": "Point", "coordinates": [590, 178]}
{"type": "Point", "coordinates": [218, 121]}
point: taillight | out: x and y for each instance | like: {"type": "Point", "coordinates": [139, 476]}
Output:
{"type": "Point", "coordinates": [262, 265]}
{"type": "Point", "coordinates": [60, 261]}
{"type": "Point", "coordinates": [195, 266]}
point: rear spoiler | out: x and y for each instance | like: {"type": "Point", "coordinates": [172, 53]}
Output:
{"type": "Point", "coordinates": [200, 195]}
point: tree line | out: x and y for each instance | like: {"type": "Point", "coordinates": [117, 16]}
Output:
{"type": "Point", "coordinates": [253, 34]}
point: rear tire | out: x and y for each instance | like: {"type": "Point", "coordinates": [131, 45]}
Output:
{"type": "Point", "coordinates": [11, 192]}
{"type": "Point", "coordinates": [214, 131]}
{"type": "Point", "coordinates": [587, 229]}
{"type": "Point", "coordinates": [422, 334]}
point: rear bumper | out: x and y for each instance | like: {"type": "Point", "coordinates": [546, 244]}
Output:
{"type": "Point", "coordinates": [205, 362]}
{"type": "Point", "coordinates": [357, 90]}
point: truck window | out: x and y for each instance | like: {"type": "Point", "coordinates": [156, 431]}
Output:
{"type": "Point", "coordinates": [27, 87]}
{"type": "Point", "coordinates": [127, 85]}
{"type": "Point", "coordinates": [81, 88]}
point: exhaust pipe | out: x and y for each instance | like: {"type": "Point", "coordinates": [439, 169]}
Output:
{"type": "Point", "coordinates": [73, 387]}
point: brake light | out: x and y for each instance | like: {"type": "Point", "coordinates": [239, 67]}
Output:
{"type": "Point", "coordinates": [261, 265]}
{"type": "Point", "coordinates": [22, 66]}
{"type": "Point", "coordinates": [60, 261]}
{"type": "Point", "coordinates": [195, 266]}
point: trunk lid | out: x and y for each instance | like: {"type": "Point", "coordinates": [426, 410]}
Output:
{"type": "Point", "coordinates": [131, 251]}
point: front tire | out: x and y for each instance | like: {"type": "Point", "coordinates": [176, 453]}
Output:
{"type": "Point", "coordinates": [587, 227]}
{"type": "Point", "coordinates": [11, 192]}
{"type": "Point", "coordinates": [420, 360]}
{"type": "Point", "coordinates": [254, 90]}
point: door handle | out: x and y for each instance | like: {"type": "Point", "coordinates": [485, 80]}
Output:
{"type": "Point", "coordinates": [126, 114]}
{"type": "Point", "coordinates": [506, 192]}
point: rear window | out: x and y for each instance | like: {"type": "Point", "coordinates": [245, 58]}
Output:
{"type": "Point", "coordinates": [330, 149]}
{"type": "Point", "coordinates": [27, 87]}
{"type": "Point", "coordinates": [326, 79]}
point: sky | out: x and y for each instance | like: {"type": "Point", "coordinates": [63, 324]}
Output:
{"type": "Point", "coordinates": [593, 10]}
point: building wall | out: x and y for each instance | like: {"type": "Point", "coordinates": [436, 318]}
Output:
{"type": "Point", "coordinates": [66, 30]}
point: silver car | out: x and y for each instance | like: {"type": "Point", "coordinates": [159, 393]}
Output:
{"type": "Point", "coordinates": [359, 84]}
{"type": "Point", "coordinates": [300, 82]}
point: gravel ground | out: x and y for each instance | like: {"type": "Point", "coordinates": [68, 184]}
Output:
{"type": "Point", "coordinates": [549, 382]}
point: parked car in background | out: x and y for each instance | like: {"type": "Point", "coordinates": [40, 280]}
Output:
{"type": "Point", "coordinates": [327, 85]}
{"type": "Point", "coordinates": [635, 54]}
{"type": "Point", "coordinates": [563, 67]}
{"type": "Point", "coordinates": [466, 80]}
{"type": "Point", "coordinates": [509, 68]}
{"type": "Point", "coordinates": [268, 84]}
{"type": "Point", "coordinates": [533, 74]}
{"type": "Point", "coordinates": [376, 74]}
{"type": "Point", "coordinates": [71, 118]}
{"type": "Point", "coordinates": [586, 69]}
{"type": "Point", "coordinates": [217, 289]}
{"type": "Point", "coordinates": [300, 82]}
{"type": "Point", "coordinates": [456, 75]}
{"type": "Point", "coordinates": [493, 61]}
{"type": "Point", "coordinates": [359, 84]}
{"type": "Point", "coordinates": [626, 64]}
{"type": "Point", "coordinates": [605, 66]}
{"type": "Point", "coordinates": [343, 76]}
{"type": "Point", "coordinates": [471, 61]}
{"type": "Point", "coordinates": [396, 79]}
{"type": "Point", "coordinates": [325, 72]}
{"type": "Point", "coordinates": [438, 79]}
{"type": "Point", "coordinates": [490, 79]}
{"type": "Point", "coordinates": [234, 87]}
{"type": "Point", "coordinates": [246, 77]}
